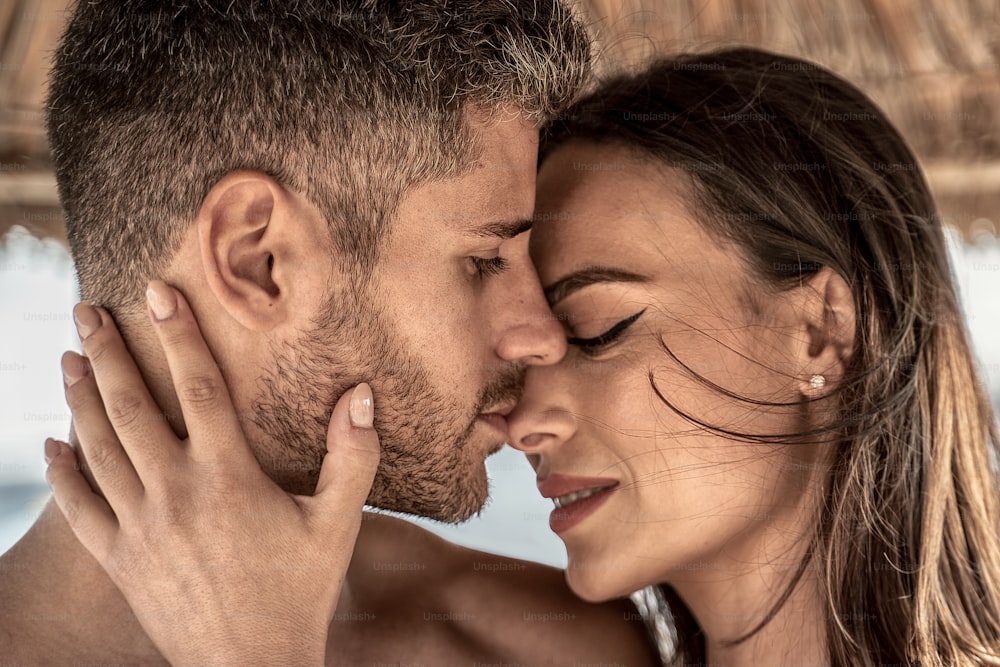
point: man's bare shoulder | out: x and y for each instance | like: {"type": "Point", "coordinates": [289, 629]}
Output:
{"type": "Point", "coordinates": [490, 606]}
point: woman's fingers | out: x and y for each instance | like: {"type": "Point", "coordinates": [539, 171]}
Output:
{"type": "Point", "coordinates": [90, 517]}
{"type": "Point", "coordinates": [352, 457]}
{"type": "Point", "coordinates": [127, 403]}
{"type": "Point", "coordinates": [103, 454]}
{"type": "Point", "coordinates": [214, 431]}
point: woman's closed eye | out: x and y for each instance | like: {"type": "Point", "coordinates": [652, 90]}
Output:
{"type": "Point", "coordinates": [602, 342]}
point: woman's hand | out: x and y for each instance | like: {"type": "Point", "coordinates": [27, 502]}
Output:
{"type": "Point", "coordinates": [218, 563]}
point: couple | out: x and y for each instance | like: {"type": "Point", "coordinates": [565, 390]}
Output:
{"type": "Point", "coordinates": [753, 390]}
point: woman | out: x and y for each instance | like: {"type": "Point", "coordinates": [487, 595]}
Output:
{"type": "Point", "coordinates": [769, 409]}
{"type": "Point", "coordinates": [795, 434]}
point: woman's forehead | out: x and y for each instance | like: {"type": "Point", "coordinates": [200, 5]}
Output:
{"type": "Point", "coordinates": [599, 206]}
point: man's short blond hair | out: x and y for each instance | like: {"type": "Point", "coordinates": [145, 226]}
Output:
{"type": "Point", "coordinates": [348, 102]}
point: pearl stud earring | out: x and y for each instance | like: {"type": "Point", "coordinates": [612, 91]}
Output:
{"type": "Point", "coordinates": [817, 382]}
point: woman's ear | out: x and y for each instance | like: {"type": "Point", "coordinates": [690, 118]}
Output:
{"type": "Point", "coordinates": [254, 236]}
{"type": "Point", "coordinates": [826, 315]}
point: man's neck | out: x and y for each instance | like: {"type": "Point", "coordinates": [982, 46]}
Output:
{"type": "Point", "coordinates": [60, 605]}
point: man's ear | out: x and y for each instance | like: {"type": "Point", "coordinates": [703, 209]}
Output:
{"type": "Point", "coordinates": [825, 312]}
{"type": "Point", "coordinates": [254, 235]}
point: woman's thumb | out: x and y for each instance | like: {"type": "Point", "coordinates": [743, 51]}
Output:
{"type": "Point", "coordinates": [352, 454]}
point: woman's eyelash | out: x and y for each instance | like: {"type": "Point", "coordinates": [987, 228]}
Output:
{"type": "Point", "coordinates": [489, 266]}
{"type": "Point", "coordinates": [608, 336]}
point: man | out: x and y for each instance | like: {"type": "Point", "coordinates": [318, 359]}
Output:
{"type": "Point", "coordinates": [340, 189]}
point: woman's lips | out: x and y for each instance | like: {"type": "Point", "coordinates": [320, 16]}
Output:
{"type": "Point", "coordinates": [575, 498]}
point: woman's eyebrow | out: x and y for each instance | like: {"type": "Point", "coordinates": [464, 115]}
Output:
{"type": "Point", "coordinates": [589, 275]}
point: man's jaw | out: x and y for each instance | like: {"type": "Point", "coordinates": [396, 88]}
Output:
{"type": "Point", "coordinates": [460, 489]}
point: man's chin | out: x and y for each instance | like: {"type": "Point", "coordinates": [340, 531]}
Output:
{"type": "Point", "coordinates": [455, 502]}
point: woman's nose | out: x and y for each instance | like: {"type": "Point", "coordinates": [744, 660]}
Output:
{"type": "Point", "coordinates": [542, 419]}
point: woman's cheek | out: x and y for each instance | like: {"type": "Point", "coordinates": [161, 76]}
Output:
{"type": "Point", "coordinates": [617, 389]}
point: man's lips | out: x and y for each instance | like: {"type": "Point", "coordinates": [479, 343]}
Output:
{"type": "Point", "coordinates": [496, 420]}
{"type": "Point", "coordinates": [497, 417]}
{"type": "Point", "coordinates": [503, 409]}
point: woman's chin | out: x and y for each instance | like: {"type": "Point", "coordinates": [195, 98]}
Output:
{"type": "Point", "coordinates": [586, 592]}
{"type": "Point", "coordinates": [596, 582]}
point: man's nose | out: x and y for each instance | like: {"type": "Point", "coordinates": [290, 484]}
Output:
{"type": "Point", "coordinates": [530, 333]}
{"type": "Point", "coordinates": [538, 341]}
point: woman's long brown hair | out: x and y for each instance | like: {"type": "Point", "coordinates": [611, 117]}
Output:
{"type": "Point", "coordinates": [801, 170]}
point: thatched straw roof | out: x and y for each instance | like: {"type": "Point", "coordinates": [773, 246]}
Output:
{"type": "Point", "coordinates": [934, 65]}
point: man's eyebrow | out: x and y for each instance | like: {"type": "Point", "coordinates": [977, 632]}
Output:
{"type": "Point", "coordinates": [590, 275]}
{"type": "Point", "coordinates": [505, 229]}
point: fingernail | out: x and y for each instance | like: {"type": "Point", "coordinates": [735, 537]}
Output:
{"type": "Point", "coordinates": [161, 300]}
{"type": "Point", "coordinates": [53, 448]}
{"type": "Point", "coordinates": [74, 368]}
{"type": "Point", "coordinates": [87, 319]}
{"type": "Point", "coordinates": [362, 409]}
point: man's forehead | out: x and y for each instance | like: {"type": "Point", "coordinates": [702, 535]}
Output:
{"type": "Point", "coordinates": [499, 197]}
{"type": "Point", "coordinates": [495, 206]}
{"type": "Point", "coordinates": [495, 195]}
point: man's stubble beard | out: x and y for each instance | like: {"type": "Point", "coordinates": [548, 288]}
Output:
{"type": "Point", "coordinates": [432, 462]}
